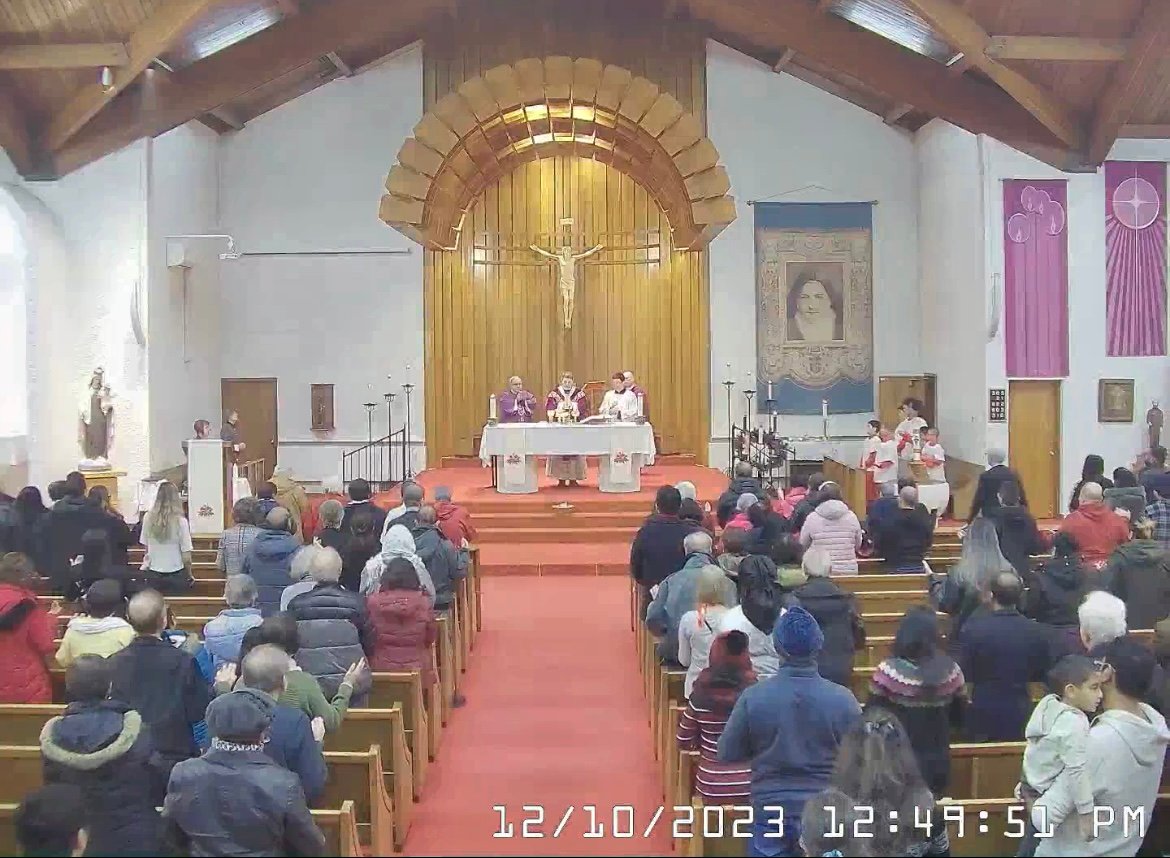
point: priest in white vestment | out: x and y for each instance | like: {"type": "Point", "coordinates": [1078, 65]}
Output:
{"type": "Point", "coordinates": [619, 402]}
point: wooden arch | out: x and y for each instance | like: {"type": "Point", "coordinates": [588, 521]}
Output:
{"type": "Point", "coordinates": [541, 107]}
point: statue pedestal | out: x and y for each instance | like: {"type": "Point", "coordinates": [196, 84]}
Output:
{"type": "Point", "coordinates": [107, 477]}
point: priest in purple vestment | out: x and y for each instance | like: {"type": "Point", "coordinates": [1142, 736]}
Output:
{"type": "Point", "coordinates": [566, 403]}
{"type": "Point", "coordinates": [516, 403]}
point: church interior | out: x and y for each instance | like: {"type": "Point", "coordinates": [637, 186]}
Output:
{"type": "Point", "coordinates": [548, 259]}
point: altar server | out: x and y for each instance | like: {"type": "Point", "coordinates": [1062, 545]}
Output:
{"type": "Point", "coordinates": [620, 403]}
{"type": "Point", "coordinates": [934, 457]}
{"type": "Point", "coordinates": [566, 403]}
{"type": "Point", "coordinates": [517, 405]}
{"type": "Point", "coordinates": [912, 424]}
{"type": "Point", "coordinates": [636, 389]}
{"type": "Point", "coordinates": [885, 458]}
{"type": "Point", "coordinates": [868, 451]}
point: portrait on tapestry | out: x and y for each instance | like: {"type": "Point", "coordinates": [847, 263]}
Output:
{"type": "Point", "coordinates": [814, 307]}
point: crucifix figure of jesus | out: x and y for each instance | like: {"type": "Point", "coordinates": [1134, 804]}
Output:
{"type": "Point", "coordinates": [566, 262]}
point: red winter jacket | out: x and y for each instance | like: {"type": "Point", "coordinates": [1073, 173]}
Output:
{"type": "Point", "coordinates": [455, 523]}
{"type": "Point", "coordinates": [26, 640]}
{"type": "Point", "coordinates": [404, 630]}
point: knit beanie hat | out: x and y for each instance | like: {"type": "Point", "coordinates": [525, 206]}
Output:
{"type": "Point", "coordinates": [797, 634]}
{"type": "Point", "coordinates": [241, 716]}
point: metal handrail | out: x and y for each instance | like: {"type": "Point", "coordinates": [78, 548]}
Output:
{"type": "Point", "coordinates": [381, 462]}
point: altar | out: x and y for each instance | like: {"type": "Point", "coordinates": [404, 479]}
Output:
{"type": "Point", "coordinates": [623, 450]}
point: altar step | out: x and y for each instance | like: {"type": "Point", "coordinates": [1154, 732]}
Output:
{"type": "Point", "coordinates": [554, 558]}
{"type": "Point", "coordinates": [474, 462]}
{"type": "Point", "coordinates": [574, 519]}
{"type": "Point", "coordinates": [561, 535]}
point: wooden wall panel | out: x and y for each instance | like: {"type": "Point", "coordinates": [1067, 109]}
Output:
{"type": "Point", "coordinates": [492, 307]}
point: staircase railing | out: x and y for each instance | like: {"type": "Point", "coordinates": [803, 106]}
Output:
{"type": "Point", "coordinates": [253, 472]}
{"type": "Point", "coordinates": [381, 463]}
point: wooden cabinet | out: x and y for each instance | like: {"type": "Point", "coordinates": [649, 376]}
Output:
{"type": "Point", "coordinates": [892, 389]}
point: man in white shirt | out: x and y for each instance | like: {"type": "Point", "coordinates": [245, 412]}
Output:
{"type": "Point", "coordinates": [912, 424]}
{"type": "Point", "coordinates": [934, 457]}
{"type": "Point", "coordinates": [885, 464]}
{"type": "Point", "coordinates": [619, 403]}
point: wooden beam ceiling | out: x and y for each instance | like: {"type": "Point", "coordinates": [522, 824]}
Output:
{"type": "Point", "coordinates": [901, 75]}
{"type": "Point", "coordinates": [785, 59]}
{"type": "Point", "coordinates": [15, 138]}
{"type": "Point", "coordinates": [239, 69]}
{"type": "Point", "coordinates": [152, 37]}
{"type": "Point", "coordinates": [1136, 75]}
{"type": "Point", "coordinates": [96, 55]}
{"type": "Point", "coordinates": [966, 35]}
{"type": "Point", "coordinates": [1057, 49]}
{"type": "Point", "coordinates": [289, 7]}
{"type": "Point", "coordinates": [1144, 132]}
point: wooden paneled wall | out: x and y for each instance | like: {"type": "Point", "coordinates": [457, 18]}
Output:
{"type": "Point", "coordinates": [492, 307]}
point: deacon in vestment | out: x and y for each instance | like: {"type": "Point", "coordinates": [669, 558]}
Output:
{"type": "Point", "coordinates": [566, 404]}
{"type": "Point", "coordinates": [619, 402]}
{"type": "Point", "coordinates": [516, 404]}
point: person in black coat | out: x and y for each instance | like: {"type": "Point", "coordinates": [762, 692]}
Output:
{"type": "Point", "coordinates": [743, 483]}
{"type": "Point", "coordinates": [160, 681]}
{"type": "Point", "coordinates": [904, 539]}
{"type": "Point", "coordinates": [1000, 652]}
{"type": "Point", "coordinates": [103, 747]}
{"type": "Point", "coordinates": [1092, 471]}
{"type": "Point", "coordinates": [1058, 587]}
{"type": "Point", "coordinates": [1019, 537]}
{"type": "Point", "coordinates": [835, 611]}
{"type": "Point", "coordinates": [657, 552]}
{"type": "Point", "coordinates": [60, 533]}
{"type": "Point", "coordinates": [359, 501]}
{"type": "Point", "coordinates": [810, 502]}
{"type": "Point", "coordinates": [987, 491]}
{"type": "Point", "coordinates": [768, 527]}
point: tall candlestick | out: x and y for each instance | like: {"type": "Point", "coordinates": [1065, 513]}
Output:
{"type": "Point", "coordinates": [770, 397]}
{"type": "Point", "coordinates": [729, 376]}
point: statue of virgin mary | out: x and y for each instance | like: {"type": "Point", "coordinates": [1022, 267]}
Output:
{"type": "Point", "coordinates": [96, 412]}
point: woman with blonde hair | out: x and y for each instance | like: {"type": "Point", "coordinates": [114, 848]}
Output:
{"type": "Point", "coordinates": [166, 535]}
{"type": "Point", "coordinates": [698, 627]}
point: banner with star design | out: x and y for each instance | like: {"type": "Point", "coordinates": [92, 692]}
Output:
{"type": "Point", "coordinates": [1035, 252]}
{"type": "Point", "coordinates": [1135, 258]}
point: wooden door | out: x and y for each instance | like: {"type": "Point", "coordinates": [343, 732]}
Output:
{"type": "Point", "coordinates": [255, 401]}
{"type": "Point", "coordinates": [893, 389]}
{"type": "Point", "coordinates": [1034, 442]}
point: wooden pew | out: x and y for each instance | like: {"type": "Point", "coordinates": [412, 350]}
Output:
{"type": "Point", "coordinates": [351, 775]}
{"type": "Point", "coordinates": [405, 689]}
{"type": "Point", "coordinates": [357, 776]}
{"type": "Point", "coordinates": [385, 728]}
{"type": "Point", "coordinates": [338, 826]}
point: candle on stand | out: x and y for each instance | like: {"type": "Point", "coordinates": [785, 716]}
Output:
{"type": "Point", "coordinates": [825, 409]}
{"type": "Point", "coordinates": [492, 407]}
{"type": "Point", "coordinates": [729, 375]}
{"type": "Point", "coordinates": [770, 397]}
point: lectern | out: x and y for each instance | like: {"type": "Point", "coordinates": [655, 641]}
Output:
{"type": "Point", "coordinates": [207, 502]}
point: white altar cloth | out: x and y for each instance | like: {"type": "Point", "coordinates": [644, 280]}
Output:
{"type": "Point", "coordinates": [608, 440]}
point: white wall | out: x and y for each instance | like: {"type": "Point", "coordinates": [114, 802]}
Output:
{"type": "Point", "coordinates": [308, 177]}
{"type": "Point", "coordinates": [952, 270]}
{"type": "Point", "coordinates": [85, 236]}
{"type": "Point", "coordinates": [183, 303]}
{"type": "Point", "coordinates": [777, 134]}
{"type": "Point", "coordinates": [1081, 434]}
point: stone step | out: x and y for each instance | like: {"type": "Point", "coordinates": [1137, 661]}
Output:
{"type": "Point", "coordinates": [557, 535]}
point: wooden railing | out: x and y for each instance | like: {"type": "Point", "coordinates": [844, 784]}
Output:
{"type": "Point", "coordinates": [253, 472]}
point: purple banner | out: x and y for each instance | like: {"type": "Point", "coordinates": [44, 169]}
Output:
{"type": "Point", "coordinates": [1035, 242]}
{"type": "Point", "coordinates": [1135, 257]}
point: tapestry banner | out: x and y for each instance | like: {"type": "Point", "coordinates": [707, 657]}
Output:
{"type": "Point", "coordinates": [814, 307]}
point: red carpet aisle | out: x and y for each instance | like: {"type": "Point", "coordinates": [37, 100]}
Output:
{"type": "Point", "coordinates": [555, 717]}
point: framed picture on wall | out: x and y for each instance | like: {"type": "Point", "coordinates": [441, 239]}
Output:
{"type": "Point", "coordinates": [321, 399]}
{"type": "Point", "coordinates": [1115, 400]}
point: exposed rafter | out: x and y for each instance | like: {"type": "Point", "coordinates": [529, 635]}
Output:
{"type": "Point", "coordinates": [152, 37]}
{"type": "Point", "coordinates": [339, 64]}
{"type": "Point", "coordinates": [15, 138]}
{"type": "Point", "coordinates": [899, 74]}
{"type": "Point", "coordinates": [895, 113]}
{"type": "Point", "coordinates": [965, 34]}
{"type": "Point", "coordinates": [1057, 49]}
{"type": "Point", "coordinates": [241, 68]}
{"type": "Point", "coordinates": [1142, 65]}
{"type": "Point", "coordinates": [111, 54]}
{"type": "Point", "coordinates": [1144, 132]}
{"type": "Point", "coordinates": [785, 59]}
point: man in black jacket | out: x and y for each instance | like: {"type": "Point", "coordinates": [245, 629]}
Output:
{"type": "Point", "coordinates": [743, 483]}
{"type": "Point", "coordinates": [101, 746]}
{"type": "Point", "coordinates": [359, 500]}
{"type": "Point", "coordinates": [161, 682]}
{"type": "Point", "coordinates": [61, 531]}
{"type": "Point", "coordinates": [987, 492]}
{"type": "Point", "coordinates": [658, 546]}
{"type": "Point", "coordinates": [904, 538]}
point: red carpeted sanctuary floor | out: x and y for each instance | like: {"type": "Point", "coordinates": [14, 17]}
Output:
{"type": "Point", "coordinates": [555, 718]}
